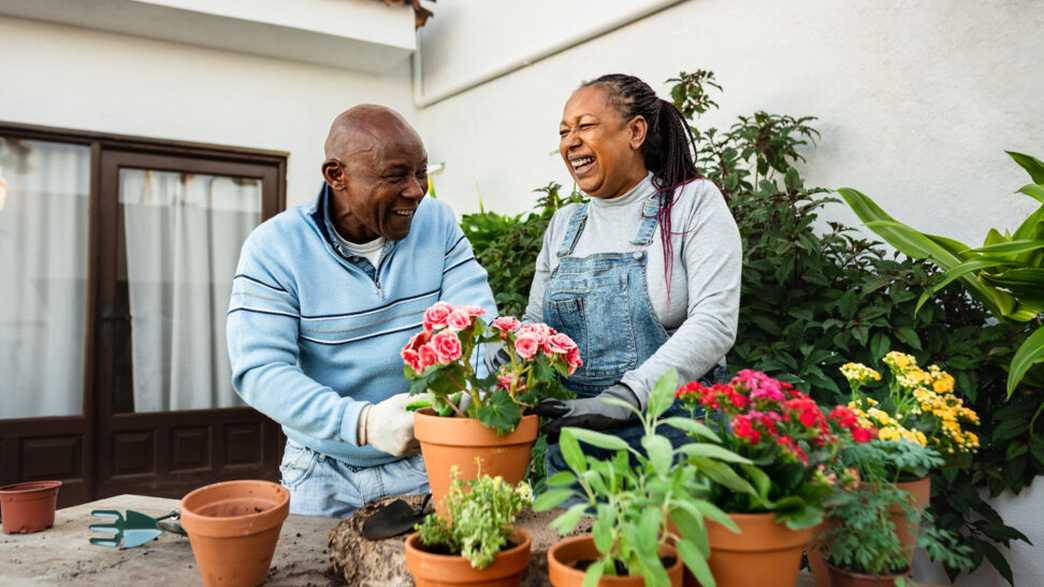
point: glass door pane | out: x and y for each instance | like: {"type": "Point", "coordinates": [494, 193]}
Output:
{"type": "Point", "coordinates": [44, 226]}
{"type": "Point", "coordinates": [180, 235]}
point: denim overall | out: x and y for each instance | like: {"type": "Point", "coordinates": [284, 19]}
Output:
{"type": "Point", "coordinates": [602, 303]}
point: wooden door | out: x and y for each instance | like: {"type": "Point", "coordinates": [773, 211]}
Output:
{"type": "Point", "coordinates": [153, 212]}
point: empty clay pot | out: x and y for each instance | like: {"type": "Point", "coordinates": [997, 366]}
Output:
{"type": "Point", "coordinates": [563, 555]}
{"type": "Point", "coordinates": [843, 578]}
{"type": "Point", "coordinates": [762, 549]}
{"type": "Point", "coordinates": [439, 570]}
{"type": "Point", "coordinates": [29, 506]}
{"type": "Point", "coordinates": [234, 527]}
{"type": "Point", "coordinates": [447, 442]}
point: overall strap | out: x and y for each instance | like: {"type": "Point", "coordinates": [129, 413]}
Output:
{"type": "Point", "coordinates": [573, 230]}
{"type": "Point", "coordinates": [650, 218]}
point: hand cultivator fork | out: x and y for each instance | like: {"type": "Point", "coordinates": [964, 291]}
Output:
{"type": "Point", "coordinates": [134, 530]}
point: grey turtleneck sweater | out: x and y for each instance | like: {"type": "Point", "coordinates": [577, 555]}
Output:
{"type": "Point", "coordinates": [701, 312]}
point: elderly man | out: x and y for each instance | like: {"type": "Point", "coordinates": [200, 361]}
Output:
{"type": "Point", "coordinates": [324, 298]}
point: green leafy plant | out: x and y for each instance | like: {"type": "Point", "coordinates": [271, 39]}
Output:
{"type": "Point", "coordinates": [438, 360]}
{"type": "Point", "coordinates": [635, 496]}
{"type": "Point", "coordinates": [480, 519]}
{"type": "Point", "coordinates": [1006, 273]}
{"type": "Point", "coordinates": [862, 536]}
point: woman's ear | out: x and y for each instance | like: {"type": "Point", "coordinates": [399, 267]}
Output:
{"type": "Point", "coordinates": [333, 173]}
{"type": "Point", "coordinates": [638, 128]}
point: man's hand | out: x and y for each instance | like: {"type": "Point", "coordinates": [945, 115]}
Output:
{"type": "Point", "coordinates": [591, 413]}
{"type": "Point", "coordinates": [388, 427]}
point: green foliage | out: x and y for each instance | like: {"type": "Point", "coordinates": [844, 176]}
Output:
{"type": "Point", "coordinates": [863, 536]}
{"type": "Point", "coordinates": [1006, 273]}
{"type": "Point", "coordinates": [507, 246]}
{"type": "Point", "coordinates": [480, 515]}
{"type": "Point", "coordinates": [634, 495]}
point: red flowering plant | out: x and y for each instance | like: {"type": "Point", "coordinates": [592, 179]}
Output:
{"type": "Point", "coordinates": [793, 446]}
{"type": "Point", "coordinates": [442, 359]}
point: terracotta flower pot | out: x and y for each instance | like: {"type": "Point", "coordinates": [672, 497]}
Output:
{"type": "Point", "coordinates": [436, 570]}
{"type": "Point", "coordinates": [449, 442]}
{"type": "Point", "coordinates": [234, 527]}
{"type": "Point", "coordinates": [907, 532]}
{"type": "Point", "coordinates": [763, 549]}
{"type": "Point", "coordinates": [28, 507]}
{"type": "Point", "coordinates": [562, 557]}
{"type": "Point", "coordinates": [816, 561]}
{"type": "Point", "coordinates": [842, 578]}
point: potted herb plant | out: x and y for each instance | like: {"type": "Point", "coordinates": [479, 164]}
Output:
{"type": "Point", "coordinates": [777, 498]}
{"type": "Point", "coordinates": [649, 506]}
{"type": "Point", "coordinates": [863, 545]}
{"type": "Point", "coordinates": [476, 420]}
{"type": "Point", "coordinates": [919, 406]}
{"type": "Point", "coordinates": [476, 543]}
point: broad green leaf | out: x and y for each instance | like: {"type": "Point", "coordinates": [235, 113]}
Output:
{"type": "Point", "coordinates": [662, 395]}
{"type": "Point", "coordinates": [695, 562]}
{"type": "Point", "coordinates": [712, 451]}
{"type": "Point", "coordinates": [602, 529]}
{"type": "Point", "coordinates": [606, 441]}
{"type": "Point", "coordinates": [864, 207]}
{"type": "Point", "coordinates": [954, 247]}
{"type": "Point", "coordinates": [594, 573]}
{"type": "Point", "coordinates": [1031, 227]}
{"type": "Point", "coordinates": [574, 457]}
{"type": "Point", "coordinates": [551, 498]}
{"type": "Point", "coordinates": [722, 474]}
{"type": "Point", "coordinates": [659, 451]}
{"type": "Point", "coordinates": [649, 524]}
{"type": "Point", "coordinates": [909, 336]}
{"type": "Point", "coordinates": [713, 512]}
{"type": "Point", "coordinates": [911, 242]}
{"type": "Point", "coordinates": [1029, 353]}
{"type": "Point", "coordinates": [500, 412]}
{"type": "Point", "coordinates": [689, 526]}
{"type": "Point", "coordinates": [1030, 277]}
{"type": "Point", "coordinates": [1034, 190]}
{"type": "Point", "coordinates": [561, 479]}
{"type": "Point", "coordinates": [692, 427]}
{"type": "Point", "coordinates": [760, 479]}
{"type": "Point", "coordinates": [1031, 164]}
{"type": "Point", "coordinates": [1010, 247]}
{"type": "Point", "coordinates": [880, 344]}
{"type": "Point", "coordinates": [566, 522]}
{"type": "Point", "coordinates": [972, 266]}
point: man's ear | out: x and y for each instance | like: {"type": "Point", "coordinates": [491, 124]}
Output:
{"type": "Point", "coordinates": [638, 128]}
{"type": "Point", "coordinates": [333, 173]}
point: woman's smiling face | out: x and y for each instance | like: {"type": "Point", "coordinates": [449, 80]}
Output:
{"type": "Point", "coordinates": [601, 150]}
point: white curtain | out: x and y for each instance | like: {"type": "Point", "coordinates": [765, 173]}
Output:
{"type": "Point", "coordinates": [43, 268]}
{"type": "Point", "coordinates": [183, 232]}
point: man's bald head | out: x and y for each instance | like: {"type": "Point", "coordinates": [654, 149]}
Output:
{"type": "Point", "coordinates": [364, 128]}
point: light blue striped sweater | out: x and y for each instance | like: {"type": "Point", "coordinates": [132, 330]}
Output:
{"type": "Point", "coordinates": [312, 338]}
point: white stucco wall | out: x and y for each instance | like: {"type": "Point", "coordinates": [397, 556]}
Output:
{"type": "Point", "coordinates": [76, 78]}
{"type": "Point", "coordinates": [917, 100]}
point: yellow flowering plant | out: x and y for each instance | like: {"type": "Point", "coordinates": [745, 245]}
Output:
{"type": "Point", "coordinates": [920, 405]}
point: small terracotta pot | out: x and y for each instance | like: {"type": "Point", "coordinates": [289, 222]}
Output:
{"type": "Point", "coordinates": [563, 555]}
{"type": "Point", "coordinates": [28, 507]}
{"type": "Point", "coordinates": [438, 570]}
{"type": "Point", "coordinates": [448, 442]}
{"type": "Point", "coordinates": [842, 578]}
{"type": "Point", "coordinates": [762, 549]}
{"type": "Point", "coordinates": [907, 532]}
{"type": "Point", "coordinates": [234, 527]}
{"type": "Point", "coordinates": [814, 551]}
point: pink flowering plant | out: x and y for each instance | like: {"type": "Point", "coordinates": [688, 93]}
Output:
{"type": "Point", "coordinates": [441, 359]}
{"type": "Point", "coordinates": [792, 445]}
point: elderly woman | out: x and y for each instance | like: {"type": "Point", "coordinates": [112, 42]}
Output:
{"type": "Point", "coordinates": [645, 277]}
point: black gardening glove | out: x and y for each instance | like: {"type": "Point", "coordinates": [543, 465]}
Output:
{"type": "Point", "coordinates": [591, 413]}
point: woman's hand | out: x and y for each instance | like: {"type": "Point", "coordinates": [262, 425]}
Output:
{"type": "Point", "coordinates": [592, 413]}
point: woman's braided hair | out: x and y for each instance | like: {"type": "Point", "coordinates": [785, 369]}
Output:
{"type": "Point", "coordinates": [668, 147]}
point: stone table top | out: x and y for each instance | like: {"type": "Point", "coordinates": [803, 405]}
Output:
{"type": "Point", "coordinates": [61, 555]}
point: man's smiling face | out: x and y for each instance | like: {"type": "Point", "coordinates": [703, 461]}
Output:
{"type": "Point", "coordinates": [377, 168]}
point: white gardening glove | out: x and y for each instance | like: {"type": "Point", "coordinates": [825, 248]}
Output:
{"type": "Point", "coordinates": [388, 427]}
